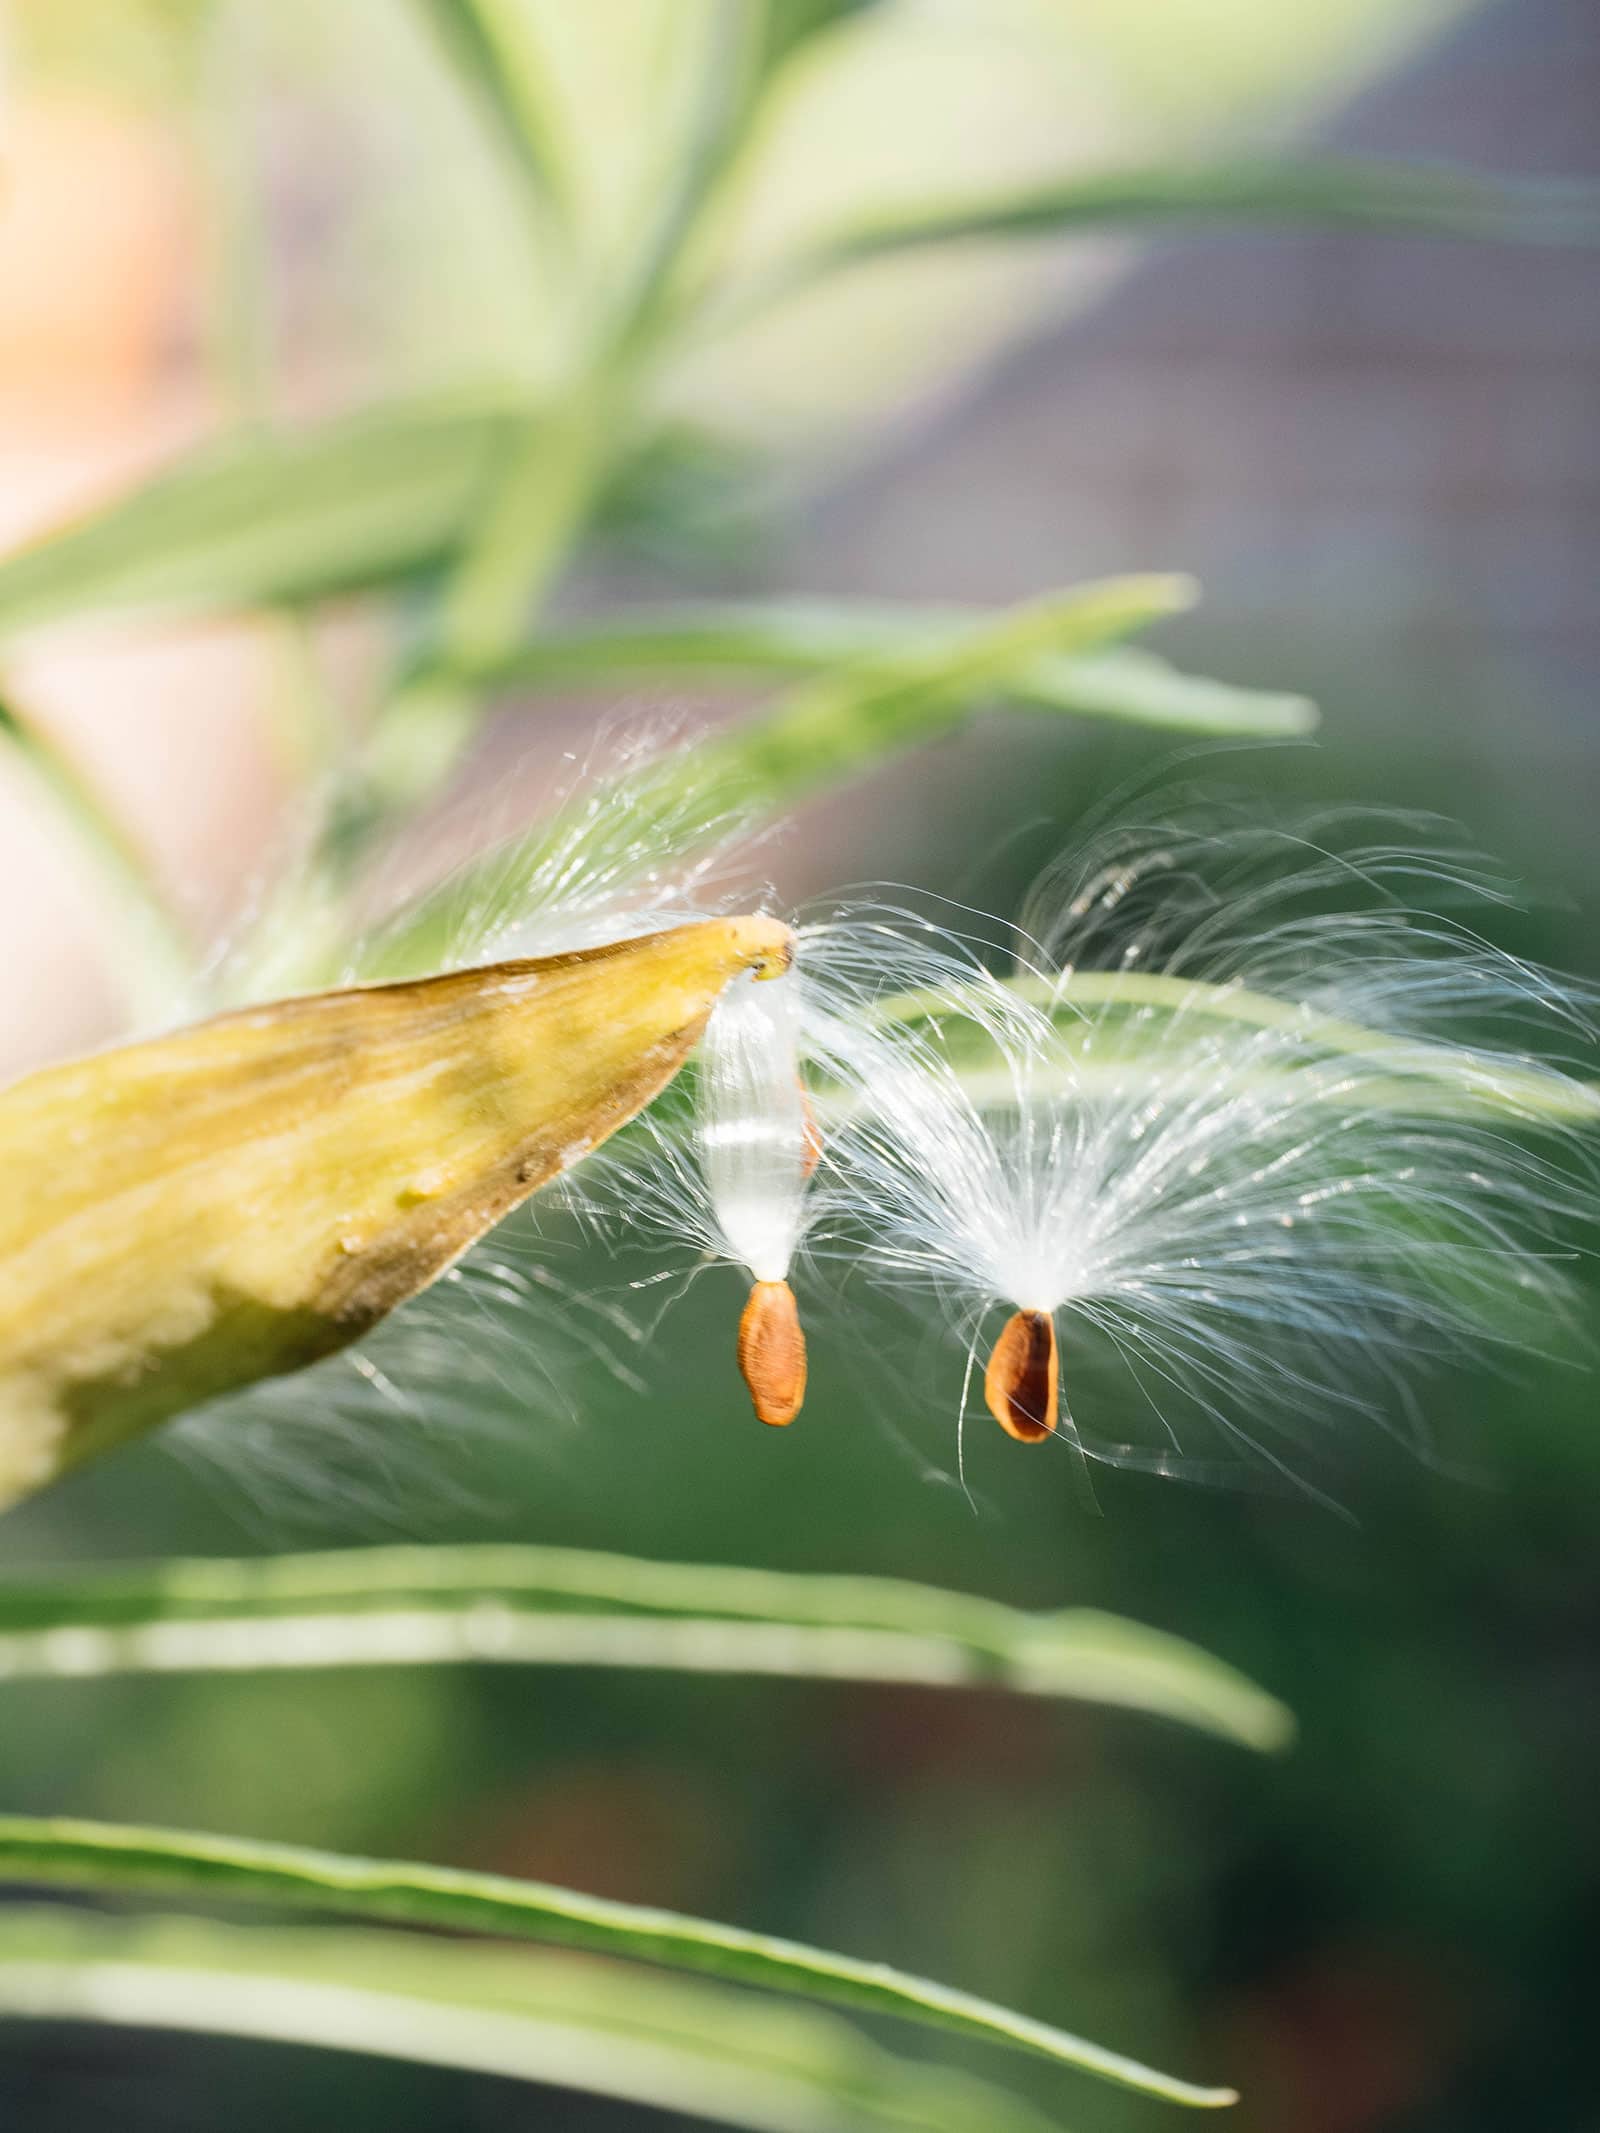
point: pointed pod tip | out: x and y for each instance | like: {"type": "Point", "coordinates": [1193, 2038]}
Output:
{"type": "Point", "coordinates": [772, 1353]}
{"type": "Point", "coordinates": [764, 946]}
{"type": "Point", "coordinates": [1022, 1384]}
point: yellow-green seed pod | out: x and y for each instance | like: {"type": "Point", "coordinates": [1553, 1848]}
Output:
{"type": "Point", "coordinates": [182, 1217]}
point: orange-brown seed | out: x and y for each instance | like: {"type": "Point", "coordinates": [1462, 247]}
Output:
{"type": "Point", "coordinates": [1023, 1381]}
{"type": "Point", "coordinates": [772, 1352]}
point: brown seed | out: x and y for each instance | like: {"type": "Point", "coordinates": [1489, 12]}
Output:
{"type": "Point", "coordinates": [772, 1352]}
{"type": "Point", "coordinates": [1023, 1381]}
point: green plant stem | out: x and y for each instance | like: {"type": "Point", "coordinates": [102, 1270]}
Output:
{"type": "Point", "coordinates": [534, 519]}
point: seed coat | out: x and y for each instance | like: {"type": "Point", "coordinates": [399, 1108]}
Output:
{"type": "Point", "coordinates": [772, 1353]}
{"type": "Point", "coordinates": [1022, 1384]}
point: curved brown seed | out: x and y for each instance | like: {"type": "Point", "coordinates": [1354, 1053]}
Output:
{"type": "Point", "coordinates": [1023, 1381]}
{"type": "Point", "coordinates": [772, 1352]}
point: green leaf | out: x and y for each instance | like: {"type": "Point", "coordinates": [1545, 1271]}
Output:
{"type": "Point", "coordinates": [843, 723]}
{"type": "Point", "coordinates": [498, 59]}
{"type": "Point", "coordinates": [157, 971]}
{"type": "Point", "coordinates": [705, 2051]}
{"type": "Point", "coordinates": [790, 24]}
{"type": "Point", "coordinates": [798, 639]}
{"type": "Point", "coordinates": [553, 1606]}
{"type": "Point", "coordinates": [1436, 1079]}
{"type": "Point", "coordinates": [269, 517]}
{"type": "Point", "coordinates": [839, 725]}
{"type": "Point", "coordinates": [1397, 198]}
{"type": "Point", "coordinates": [112, 1860]}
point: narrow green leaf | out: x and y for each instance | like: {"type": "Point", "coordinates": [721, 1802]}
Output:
{"type": "Point", "coordinates": [554, 1606]}
{"type": "Point", "coordinates": [1391, 198]}
{"type": "Point", "coordinates": [269, 517]}
{"type": "Point", "coordinates": [788, 25]}
{"type": "Point", "coordinates": [798, 639]}
{"type": "Point", "coordinates": [495, 49]}
{"type": "Point", "coordinates": [1439, 1079]}
{"type": "Point", "coordinates": [157, 972]}
{"type": "Point", "coordinates": [112, 1859]}
{"type": "Point", "coordinates": [843, 723]}
{"type": "Point", "coordinates": [839, 725]}
{"type": "Point", "coordinates": [672, 2045]}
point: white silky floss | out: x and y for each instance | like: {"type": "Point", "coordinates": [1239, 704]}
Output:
{"type": "Point", "coordinates": [753, 1124]}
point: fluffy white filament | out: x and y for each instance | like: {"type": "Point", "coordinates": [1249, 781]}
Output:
{"type": "Point", "coordinates": [1224, 1143]}
{"type": "Point", "coordinates": [753, 1124]}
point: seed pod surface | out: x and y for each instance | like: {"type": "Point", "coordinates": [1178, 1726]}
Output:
{"type": "Point", "coordinates": [234, 1200]}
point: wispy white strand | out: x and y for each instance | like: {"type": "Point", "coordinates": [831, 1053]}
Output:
{"type": "Point", "coordinates": [1256, 1219]}
{"type": "Point", "coordinates": [1255, 1114]}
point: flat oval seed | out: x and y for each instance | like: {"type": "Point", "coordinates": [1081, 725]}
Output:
{"type": "Point", "coordinates": [1022, 1384]}
{"type": "Point", "coordinates": [772, 1352]}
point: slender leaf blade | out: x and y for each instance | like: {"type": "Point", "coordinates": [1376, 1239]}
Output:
{"type": "Point", "coordinates": [114, 1859]}
{"type": "Point", "coordinates": [498, 61]}
{"type": "Point", "coordinates": [842, 724]}
{"type": "Point", "coordinates": [1391, 198]}
{"type": "Point", "coordinates": [1424, 1076]}
{"type": "Point", "coordinates": [554, 1606]}
{"type": "Point", "coordinates": [703, 2050]}
{"type": "Point", "coordinates": [795, 640]}
{"type": "Point", "coordinates": [832, 727]}
{"type": "Point", "coordinates": [273, 516]}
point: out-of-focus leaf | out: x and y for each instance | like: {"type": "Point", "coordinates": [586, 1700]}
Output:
{"type": "Point", "coordinates": [112, 1859]}
{"type": "Point", "coordinates": [837, 726]}
{"type": "Point", "coordinates": [789, 24]}
{"type": "Point", "coordinates": [497, 56]}
{"type": "Point", "coordinates": [271, 517]}
{"type": "Point", "coordinates": [1422, 1077]}
{"type": "Point", "coordinates": [1417, 199]}
{"type": "Point", "coordinates": [240, 1198]}
{"type": "Point", "coordinates": [553, 1606]}
{"type": "Point", "coordinates": [710, 2053]}
{"type": "Point", "coordinates": [844, 722]}
{"type": "Point", "coordinates": [157, 966]}
{"type": "Point", "coordinates": [796, 639]}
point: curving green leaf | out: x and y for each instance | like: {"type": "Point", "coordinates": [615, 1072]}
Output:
{"type": "Point", "coordinates": [566, 1607]}
{"type": "Point", "coordinates": [1395, 198]}
{"type": "Point", "coordinates": [708, 2052]}
{"type": "Point", "coordinates": [112, 1859]}
{"type": "Point", "coordinates": [797, 639]}
{"type": "Point", "coordinates": [498, 60]}
{"type": "Point", "coordinates": [157, 969]}
{"type": "Point", "coordinates": [1439, 1079]}
{"type": "Point", "coordinates": [275, 516]}
{"type": "Point", "coordinates": [838, 725]}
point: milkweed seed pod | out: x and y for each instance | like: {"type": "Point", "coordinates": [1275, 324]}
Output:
{"type": "Point", "coordinates": [237, 1199]}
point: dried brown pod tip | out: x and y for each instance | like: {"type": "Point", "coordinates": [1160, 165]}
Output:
{"type": "Point", "coordinates": [1023, 1381]}
{"type": "Point", "coordinates": [772, 1352]}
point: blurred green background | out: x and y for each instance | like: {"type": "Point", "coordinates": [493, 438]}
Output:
{"type": "Point", "coordinates": [1383, 459]}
